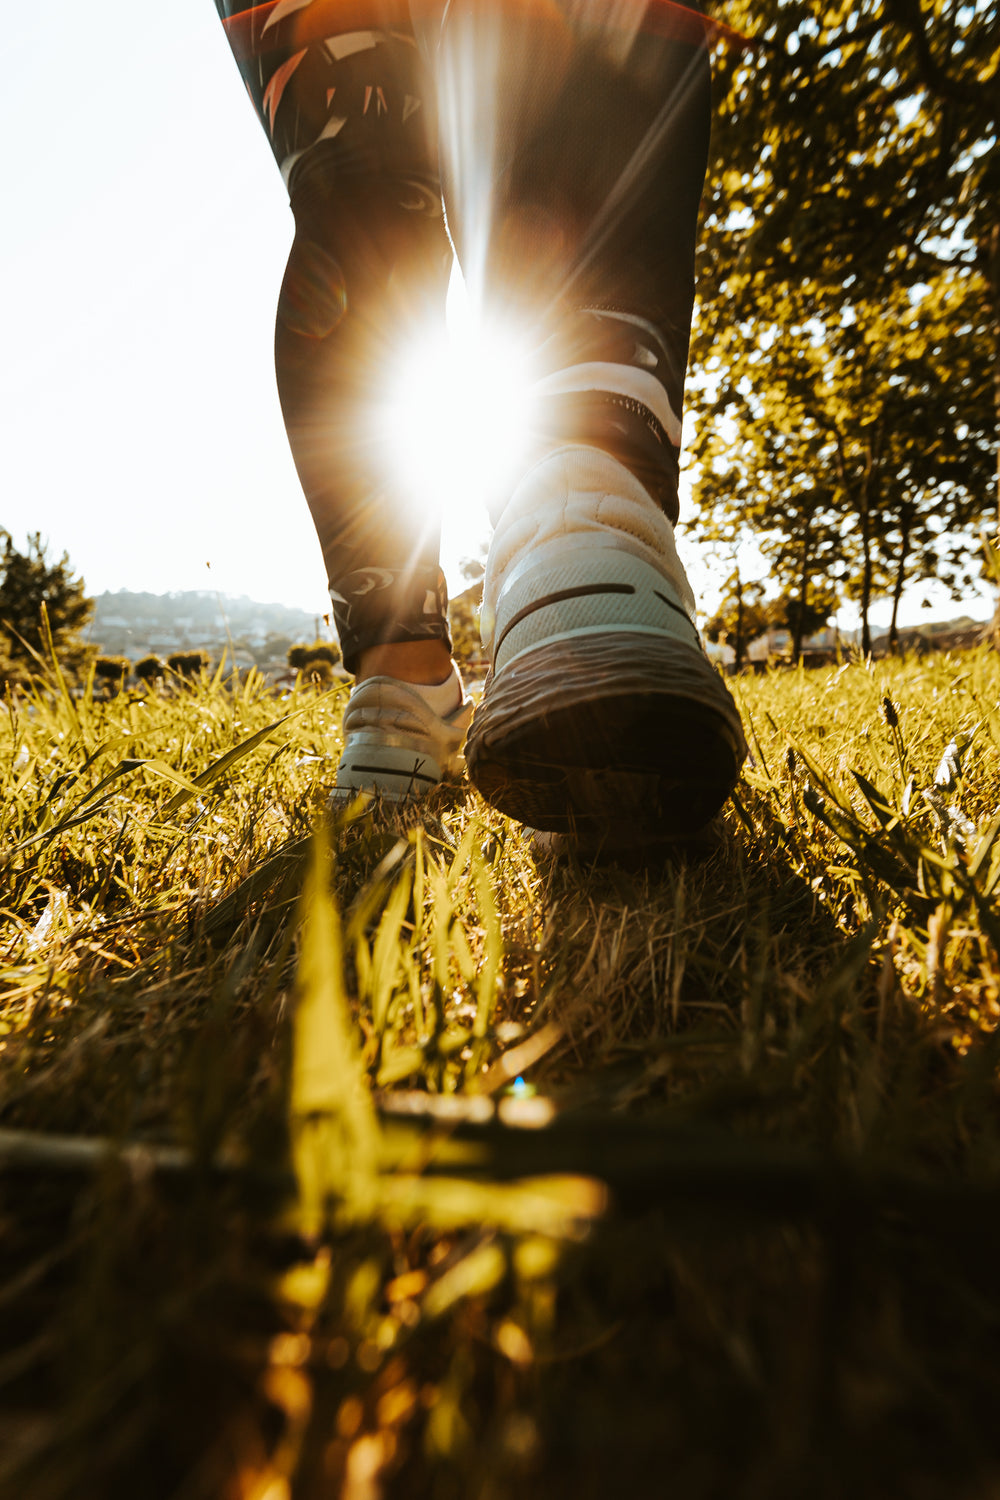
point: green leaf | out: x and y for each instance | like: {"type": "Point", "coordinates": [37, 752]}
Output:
{"type": "Point", "coordinates": [389, 950]}
{"type": "Point", "coordinates": [333, 1126]}
{"type": "Point", "coordinates": [171, 774]}
{"type": "Point", "coordinates": [982, 849]}
{"type": "Point", "coordinates": [85, 808]}
{"type": "Point", "coordinates": [220, 766]}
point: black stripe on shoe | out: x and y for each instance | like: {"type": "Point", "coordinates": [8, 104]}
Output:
{"type": "Point", "coordinates": [560, 597]}
{"type": "Point", "coordinates": [677, 609]}
{"type": "Point", "coordinates": [394, 771]}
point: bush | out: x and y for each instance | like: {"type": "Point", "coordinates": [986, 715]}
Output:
{"type": "Point", "coordinates": [28, 581]}
{"type": "Point", "coordinates": [315, 662]}
{"type": "Point", "coordinates": [112, 672]}
{"type": "Point", "coordinates": [463, 623]}
{"type": "Point", "coordinates": [149, 669]}
{"type": "Point", "coordinates": [189, 664]}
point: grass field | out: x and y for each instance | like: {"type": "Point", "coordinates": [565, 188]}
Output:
{"type": "Point", "coordinates": [406, 1160]}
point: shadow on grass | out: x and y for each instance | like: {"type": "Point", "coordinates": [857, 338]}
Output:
{"type": "Point", "coordinates": [791, 1292]}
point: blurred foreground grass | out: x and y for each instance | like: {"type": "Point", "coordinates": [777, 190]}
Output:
{"type": "Point", "coordinates": [408, 1161]}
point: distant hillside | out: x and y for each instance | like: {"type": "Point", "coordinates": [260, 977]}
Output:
{"type": "Point", "coordinates": [939, 635]}
{"type": "Point", "coordinates": [139, 624]}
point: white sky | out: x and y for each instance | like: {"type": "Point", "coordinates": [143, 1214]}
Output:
{"type": "Point", "coordinates": [148, 229]}
{"type": "Point", "coordinates": [147, 232]}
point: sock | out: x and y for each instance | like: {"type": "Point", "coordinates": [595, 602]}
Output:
{"type": "Point", "coordinates": [442, 698]}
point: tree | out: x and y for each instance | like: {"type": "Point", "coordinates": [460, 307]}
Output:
{"type": "Point", "coordinates": [189, 664]}
{"type": "Point", "coordinates": [740, 618]}
{"type": "Point", "coordinates": [463, 614]}
{"type": "Point", "coordinates": [864, 450]}
{"type": "Point", "coordinates": [150, 669]}
{"type": "Point", "coordinates": [27, 582]}
{"type": "Point", "coordinates": [112, 672]}
{"type": "Point", "coordinates": [756, 481]}
{"type": "Point", "coordinates": [801, 617]}
{"type": "Point", "coordinates": [854, 191]}
{"type": "Point", "coordinates": [744, 614]}
{"type": "Point", "coordinates": [872, 142]}
{"type": "Point", "coordinates": [315, 662]}
{"type": "Point", "coordinates": [463, 624]}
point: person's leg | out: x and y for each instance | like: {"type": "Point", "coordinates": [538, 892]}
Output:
{"type": "Point", "coordinates": [345, 104]}
{"type": "Point", "coordinates": [342, 95]}
{"type": "Point", "coordinates": [573, 158]}
{"type": "Point", "coordinates": [363, 272]}
{"type": "Point", "coordinates": [573, 171]}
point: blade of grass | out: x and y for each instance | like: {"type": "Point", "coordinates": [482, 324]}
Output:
{"type": "Point", "coordinates": [223, 764]}
{"type": "Point", "coordinates": [333, 1127]}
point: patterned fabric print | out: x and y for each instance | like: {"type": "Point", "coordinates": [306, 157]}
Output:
{"type": "Point", "coordinates": [375, 605]}
{"type": "Point", "coordinates": [349, 72]}
{"type": "Point", "coordinates": [340, 89]}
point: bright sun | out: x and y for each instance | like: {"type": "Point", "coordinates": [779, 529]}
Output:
{"type": "Point", "coordinates": [456, 419]}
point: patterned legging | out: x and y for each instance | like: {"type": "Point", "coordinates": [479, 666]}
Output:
{"type": "Point", "coordinates": [566, 144]}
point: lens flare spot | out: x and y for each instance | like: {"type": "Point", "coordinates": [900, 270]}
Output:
{"type": "Point", "coordinates": [455, 424]}
{"type": "Point", "coordinates": [313, 297]}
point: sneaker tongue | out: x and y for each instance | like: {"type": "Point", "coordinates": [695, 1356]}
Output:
{"type": "Point", "coordinates": [442, 698]}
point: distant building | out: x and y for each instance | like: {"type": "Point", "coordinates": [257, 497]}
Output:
{"type": "Point", "coordinates": [777, 643]}
{"type": "Point", "coordinates": [141, 624]}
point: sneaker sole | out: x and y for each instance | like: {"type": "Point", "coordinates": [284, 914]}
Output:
{"type": "Point", "coordinates": [616, 739]}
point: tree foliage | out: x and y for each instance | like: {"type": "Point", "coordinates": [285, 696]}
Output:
{"type": "Point", "coordinates": [463, 623]}
{"type": "Point", "coordinates": [112, 672]}
{"type": "Point", "coordinates": [861, 137]}
{"type": "Point", "coordinates": [464, 611]}
{"type": "Point", "coordinates": [850, 279]}
{"type": "Point", "coordinates": [150, 669]}
{"type": "Point", "coordinates": [741, 617]}
{"type": "Point", "coordinates": [864, 450]}
{"type": "Point", "coordinates": [29, 581]}
{"type": "Point", "coordinates": [744, 614]}
{"type": "Point", "coordinates": [189, 664]}
{"type": "Point", "coordinates": [315, 662]}
{"type": "Point", "coordinates": [802, 618]}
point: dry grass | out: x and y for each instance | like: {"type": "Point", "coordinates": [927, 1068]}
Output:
{"type": "Point", "coordinates": [351, 1253]}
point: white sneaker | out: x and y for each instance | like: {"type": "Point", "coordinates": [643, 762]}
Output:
{"type": "Point", "coordinates": [396, 744]}
{"type": "Point", "coordinates": [602, 716]}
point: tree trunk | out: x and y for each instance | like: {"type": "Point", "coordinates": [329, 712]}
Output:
{"type": "Point", "coordinates": [870, 487]}
{"type": "Point", "coordinates": [803, 595]}
{"type": "Point", "coordinates": [897, 592]}
{"type": "Point", "coordinates": [866, 564]}
{"type": "Point", "coordinates": [993, 276]}
{"type": "Point", "coordinates": [739, 623]}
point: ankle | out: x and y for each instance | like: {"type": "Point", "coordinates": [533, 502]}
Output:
{"type": "Point", "coordinates": [425, 663]}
